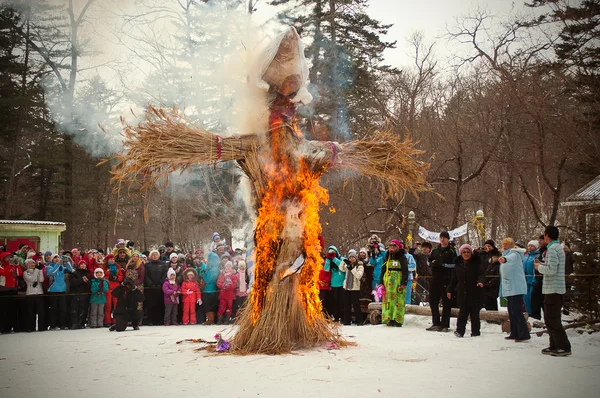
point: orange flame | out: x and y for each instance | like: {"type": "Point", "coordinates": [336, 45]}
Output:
{"type": "Point", "coordinates": [288, 180]}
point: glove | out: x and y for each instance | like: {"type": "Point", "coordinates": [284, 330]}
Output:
{"type": "Point", "coordinates": [35, 284]}
{"type": "Point", "coordinates": [199, 301]}
{"type": "Point", "coordinates": [349, 266]}
{"type": "Point", "coordinates": [113, 278]}
{"type": "Point", "coordinates": [330, 255]}
{"type": "Point", "coordinates": [40, 266]}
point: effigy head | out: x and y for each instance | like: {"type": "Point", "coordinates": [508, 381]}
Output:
{"type": "Point", "coordinates": [285, 69]}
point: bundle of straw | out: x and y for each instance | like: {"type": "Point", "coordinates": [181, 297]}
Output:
{"type": "Point", "coordinates": [390, 161]}
{"type": "Point", "coordinates": [166, 142]}
{"type": "Point", "coordinates": [283, 325]}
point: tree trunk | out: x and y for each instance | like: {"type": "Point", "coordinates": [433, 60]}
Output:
{"type": "Point", "coordinates": [16, 153]}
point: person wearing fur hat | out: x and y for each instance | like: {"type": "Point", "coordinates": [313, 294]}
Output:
{"type": "Point", "coordinates": [154, 275]}
{"type": "Point", "coordinates": [121, 244]}
{"type": "Point", "coordinates": [227, 283]}
{"type": "Point", "coordinates": [170, 248]}
{"type": "Point", "coordinates": [394, 277]}
{"type": "Point", "coordinates": [529, 269]}
{"type": "Point", "coordinates": [122, 257]}
{"type": "Point", "coordinates": [115, 276]}
{"type": "Point", "coordinates": [333, 262]}
{"type": "Point", "coordinates": [191, 296]}
{"type": "Point", "coordinates": [129, 306]}
{"type": "Point", "coordinates": [468, 277]}
{"type": "Point", "coordinates": [442, 261]}
{"type": "Point", "coordinates": [353, 270]}
{"type": "Point", "coordinates": [98, 298]}
{"type": "Point", "coordinates": [171, 292]}
{"type": "Point", "coordinates": [135, 270]}
{"type": "Point", "coordinates": [80, 288]}
{"type": "Point", "coordinates": [34, 277]}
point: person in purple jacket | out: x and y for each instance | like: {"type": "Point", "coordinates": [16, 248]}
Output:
{"type": "Point", "coordinates": [171, 291]}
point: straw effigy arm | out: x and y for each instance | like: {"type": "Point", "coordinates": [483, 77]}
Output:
{"type": "Point", "coordinates": [165, 142]}
{"type": "Point", "coordinates": [391, 162]}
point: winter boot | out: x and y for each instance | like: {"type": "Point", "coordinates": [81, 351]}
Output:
{"type": "Point", "coordinates": [210, 318]}
{"type": "Point", "coordinates": [220, 320]}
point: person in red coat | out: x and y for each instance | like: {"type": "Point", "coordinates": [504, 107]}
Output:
{"type": "Point", "coordinates": [115, 276]}
{"type": "Point", "coordinates": [190, 292]}
{"type": "Point", "coordinates": [10, 271]}
{"type": "Point", "coordinates": [227, 282]}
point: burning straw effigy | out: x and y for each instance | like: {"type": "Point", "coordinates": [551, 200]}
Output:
{"type": "Point", "coordinates": [283, 312]}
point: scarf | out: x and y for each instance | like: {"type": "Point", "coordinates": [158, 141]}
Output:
{"type": "Point", "coordinates": [242, 277]}
{"type": "Point", "coordinates": [349, 280]}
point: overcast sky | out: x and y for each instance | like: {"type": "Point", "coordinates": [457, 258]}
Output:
{"type": "Point", "coordinates": [432, 17]}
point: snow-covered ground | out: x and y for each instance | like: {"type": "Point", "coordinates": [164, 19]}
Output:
{"type": "Point", "coordinates": [387, 361]}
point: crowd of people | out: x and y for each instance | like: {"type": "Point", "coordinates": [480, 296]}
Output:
{"type": "Point", "coordinates": [75, 290]}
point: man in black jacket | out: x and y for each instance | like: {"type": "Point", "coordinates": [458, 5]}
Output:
{"type": "Point", "coordinates": [468, 277]}
{"type": "Point", "coordinates": [155, 275]}
{"type": "Point", "coordinates": [80, 283]}
{"type": "Point", "coordinates": [129, 306]}
{"type": "Point", "coordinates": [442, 262]}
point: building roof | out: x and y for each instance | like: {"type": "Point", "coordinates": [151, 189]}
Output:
{"type": "Point", "coordinates": [589, 194]}
{"type": "Point", "coordinates": [29, 222]}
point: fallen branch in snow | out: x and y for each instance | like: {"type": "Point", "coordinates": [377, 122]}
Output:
{"type": "Point", "coordinates": [571, 326]}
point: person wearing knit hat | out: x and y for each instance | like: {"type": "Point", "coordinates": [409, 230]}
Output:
{"type": "Point", "coordinates": [216, 240]}
{"type": "Point", "coordinates": [489, 245]}
{"type": "Point", "coordinates": [394, 277]}
{"type": "Point", "coordinates": [162, 250]}
{"type": "Point", "coordinates": [190, 291]}
{"type": "Point", "coordinates": [528, 266]}
{"type": "Point", "coordinates": [366, 288]}
{"type": "Point", "coordinates": [98, 298]}
{"type": "Point", "coordinates": [468, 277]}
{"type": "Point", "coordinates": [171, 291]}
{"type": "Point", "coordinates": [243, 283]}
{"type": "Point", "coordinates": [33, 276]}
{"type": "Point", "coordinates": [354, 271]}
{"type": "Point", "coordinates": [227, 283]}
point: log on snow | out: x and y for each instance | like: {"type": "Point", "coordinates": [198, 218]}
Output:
{"type": "Point", "coordinates": [498, 316]}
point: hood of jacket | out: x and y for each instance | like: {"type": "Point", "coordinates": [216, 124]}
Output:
{"type": "Point", "coordinates": [337, 252]}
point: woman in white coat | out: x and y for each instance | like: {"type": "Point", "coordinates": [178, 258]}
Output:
{"type": "Point", "coordinates": [34, 277]}
{"type": "Point", "coordinates": [354, 270]}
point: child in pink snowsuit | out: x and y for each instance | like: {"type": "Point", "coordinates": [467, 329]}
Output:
{"type": "Point", "coordinates": [227, 283]}
{"type": "Point", "coordinates": [191, 295]}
